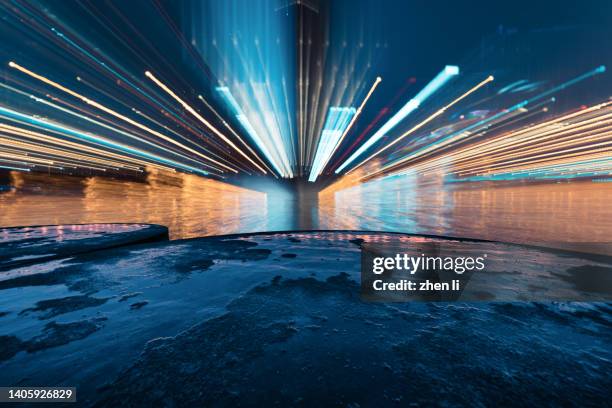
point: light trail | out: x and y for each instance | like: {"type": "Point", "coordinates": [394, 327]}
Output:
{"type": "Point", "coordinates": [545, 152]}
{"type": "Point", "coordinates": [338, 119]}
{"type": "Point", "coordinates": [523, 136]}
{"type": "Point", "coordinates": [257, 93]}
{"type": "Point", "coordinates": [26, 158]}
{"type": "Point", "coordinates": [427, 120]}
{"type": "Point", "coordinates": [290, 121]}
{"type": "Point", "coordinates": [569, 140]}
{"type": "Point", "coordinates": [115, 114]}
{"type": "Point", "coordinates": [28, 134]}
{"type": "Point", "coordinates": [14, 168]}
{"type": "Point", "coordinates": [438, 82]}
{"type": "Point", "coordinates": [265, 120]}
{"type": "Point", "coordinates": [547, 159]}
{"type": "Point", "coordinates": [189, 109]}
{"type": "Point", "coordinates": [352, 122]}
{"type": "Point", "coordinates": [170, 115]}
{"type": "Point", "coordinates": [107, 67]}
{"type": "Point", "coordinates": [35, 161]}
{"type": "Point", "coordinates": [38, 149]}
{"type": "Point", "coordinates": [104, 125]}
{"type": "Point", "coordinates": [248, 127]}
{"type": "Point", "coordinates": [275, 113]}
{"type": "Point", "coordinates": [468, 131]}
{"type": "Point", "coordinates": [598, 164]}
{"type": "Point", "coordinates": [233, 132]}
{"type": "Point", "coordinates": [87, 137]}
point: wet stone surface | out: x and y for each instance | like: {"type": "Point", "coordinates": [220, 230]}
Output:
{"type": "Point", "coordinates": [310, 342]}
{"type": "Point", "coordinates": [232, 321]}
{"type": "Point", "coordinates": [28, 245]}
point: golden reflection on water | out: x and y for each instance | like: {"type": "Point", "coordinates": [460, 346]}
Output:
{"type": "Point", "coordinates": [524, 213]}
{"type": "Point", "coordinates": [189, 205]}
{"type": "Point", "coordinates": [192, 206]}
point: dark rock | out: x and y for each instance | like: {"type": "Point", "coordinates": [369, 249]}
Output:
{"type": "Point", "coordinates": [139, 305]}
{"type": "Point", "coordinates": [55, 307]}
{"type": "Point", "coordinates": [357, 241]}
{"type": "Point", "coordinates": [9, 346]}
{"type": "Point", "coordinates": [57, 334]}
{"type": "Point", "coordinates": [27, 245]}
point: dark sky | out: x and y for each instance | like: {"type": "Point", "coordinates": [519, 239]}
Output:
{"type": "Point", "coordinates": [427, 34]}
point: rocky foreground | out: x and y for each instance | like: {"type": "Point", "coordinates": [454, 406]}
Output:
{"type": "Point", "coordinates": [277, 320]}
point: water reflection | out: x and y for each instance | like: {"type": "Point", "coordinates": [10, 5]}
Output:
{"type": "Point", "coordinates": [191, 206]}
{"type": "Point", "coordinates": [526, 213]}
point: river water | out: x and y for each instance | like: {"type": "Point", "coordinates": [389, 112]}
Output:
{"type": "Point", "coordinates": [192, 206]}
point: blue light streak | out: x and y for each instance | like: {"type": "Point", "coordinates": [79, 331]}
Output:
{"type": "Point", "coordinates": [435, 84]}
{"type": "Point", "coordinates": [338, 118]}
{"type": "Point", "coordinates": [13, 168]}
{"type": "Point", "coordinates": [248, 127]}
{"type": "Point", "coordinates": [94, 139]}
{"type": "Point", "coordinates": [114, 129]}
{"type": "Point", "coordinates": [472, 129]}
{"type": "Point", "coordinates": [248, 46]}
